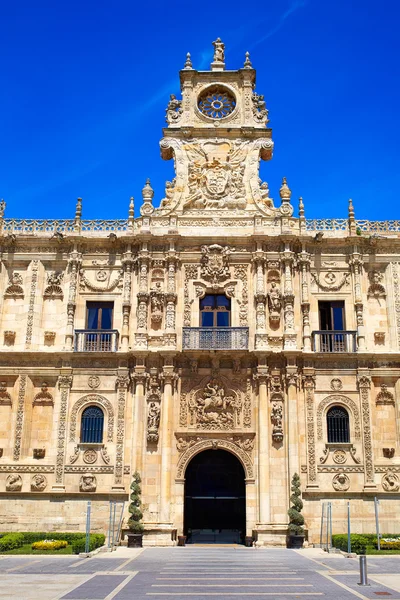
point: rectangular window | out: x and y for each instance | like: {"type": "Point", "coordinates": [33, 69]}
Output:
{"type": "Point", "coordinates": [331, 316]}
{"type": "Point", "coordinates": [215, 311]}
{"type": "Point", "coordinates": [99, 315]}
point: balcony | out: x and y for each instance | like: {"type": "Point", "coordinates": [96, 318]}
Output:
{"type": "Point", "coordinates": [334, 341]}
{"type": "Point", "coordinates": [99, 340]}
{"type": "Point", "coordinates": [215, 338]}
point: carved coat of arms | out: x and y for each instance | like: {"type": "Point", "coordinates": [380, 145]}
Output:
{"type": "Point", "coordinates": [214, 263]}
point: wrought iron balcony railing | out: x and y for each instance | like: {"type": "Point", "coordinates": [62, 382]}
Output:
{"type": "Point", "coordinates": [215, 338]}
{"type": "Point", "coordinates": [334, 341]}
{"type": "Point", "coordinates": [100, 340]}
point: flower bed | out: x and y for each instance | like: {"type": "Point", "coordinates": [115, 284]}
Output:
{"type": "Point", "coordinates": [49, 545]}
{"type": "Point", "coordinates": [367, 542]}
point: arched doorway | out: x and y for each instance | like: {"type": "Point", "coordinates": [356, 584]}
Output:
{"type": "Point", "coordinates": [215, 498]}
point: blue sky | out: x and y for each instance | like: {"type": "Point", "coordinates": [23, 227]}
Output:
{"type": "Point", "coordinates": [84, 86]}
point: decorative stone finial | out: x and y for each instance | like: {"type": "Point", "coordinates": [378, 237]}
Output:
{"type": "Point", "coordinates": [188, 63]}
{"type": "Point", "coordinates": [301, 208]}
{"type": "Point", "coordinates": [285, 192]}
{"type": "Point", "coordinates": [2, 208]}
{"type": "Point", "coordinates": [218, 63]}
{"type": "Point", "coordinates": [147, 193]}
{"type": "Point", "coordinates": [131, 211]}
{"type": "Point", "coordinates": [351, 209]}
{"type": "Point", "coordinates": [78, 209]}
{"type": "Point", "coordinates": [247, 62]}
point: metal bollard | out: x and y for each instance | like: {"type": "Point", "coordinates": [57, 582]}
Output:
{"type": "Point", "coordinates": [363, 571]}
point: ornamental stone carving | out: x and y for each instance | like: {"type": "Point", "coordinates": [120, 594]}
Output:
{"type": "Point", "coordinates": [90, 456]}
{"type": "Point", "coordinates": [44, 396]}
{"type": "Point", "coordinates": [14, 483]}
{"type": "Point", "coordinates": [174, 110]}
{"type": "Point", "coordinates": [376, 288]}
{"type": "Point", "coordinates": [223, 444]}
{"type": "Point", "coordinates": [215, 175]}
{"type": "Point", "coordinates": [384, 396]}
{"type": "Point", "coordinates": [330, 282]}
{"type": "Point", "coordinates": [341, 482]}
{"type": "Point", "coordinates": [14, 288]}
{"type": "Point", "coordinates": [336, 384]}
{"type": "Point", "coordinates": [53, 290]}
{"type": "Point", "coordinates": [38, 483]}
{"type": "Point", "coordinates": [153, 398]}
{"type": "Point", "coordinates": [9, 338]}
{"type": "Point", "coordinates": [93, 382]}
{"type": "Point", "coordinates": [88, 483]}
{"type": "Point", "coordinates": [339, 457]}
{"type": "Point", "coordinates": [212, 408]}
{"type": "Point", "coordinates": [214, 264]}
{"type": "Point", "coordinates": [390, 482]}
{"type": "Point", "coordinates": [5, 396]}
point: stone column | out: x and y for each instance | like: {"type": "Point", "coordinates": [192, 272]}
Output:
{"type": "Point", "coordinates": [64, 384]}
{"type": "Point", "coordinates": [127, 262]}
{"type": "Point", "coordinates": [31, 307]}
{"type": "Point", "coordinates": [260, 298]}
{"type": "Point", "coordinates": [139, 377]}
{"type": "Point", "coordinates": [364, 386]}
{"type": "Point", "coordinates": [170, 299]}
{"type": "Point", "coordinates": [74, 262]}
{"type": "Point", "coordinates": [122, 384]}
{"type": "Point", "coordinates": [263, 445]}
{"type": "Point", "coordinates": [309, 387]}
{"type": "Point", "coordinates": [289, 335]}
{"type": "Point", "coordinates": [143, 299]}
{"type": "Point", "coordinates": [356, 263]}
{"type": "Point", "coordinates": [292, 420]}
{"type": "Point", "coordinates": [166, 444]}
{"type": "Point", "coordinates": [304, 259]}
{"type": "Point", "coordinates": [20, 417]}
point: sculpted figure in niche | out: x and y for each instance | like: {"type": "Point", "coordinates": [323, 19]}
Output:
{"type": "Point", "coordinates": [14, 483]}
{"type": "Point", "coordinates": [38, 483]}
{"type": "Point", "coordinates": [154, 416]}
{"type": "Point", "coordinates": [274, 302]}
{"type": "Point", "coordinates": [88, 483]}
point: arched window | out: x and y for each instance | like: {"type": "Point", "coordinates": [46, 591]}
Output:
{"type": "Point", "coordinates": [92, 425]}
{"type": "Point", "coordinates": [337, 420]}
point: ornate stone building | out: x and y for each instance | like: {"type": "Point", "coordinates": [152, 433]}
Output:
{"type": "Point", "coordinates": [217, 344]}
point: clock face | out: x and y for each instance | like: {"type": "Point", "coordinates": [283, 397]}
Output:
{"type": "Point", "coordinates": [216, 102]}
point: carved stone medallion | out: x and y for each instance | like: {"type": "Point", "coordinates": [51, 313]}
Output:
{"type": "Point", "coordinates": [336, 384]}
{"type": "Point", "coordinates": [14, 483]}
{"type": "Point", "coordinates": [88, 483]}
{"type": "Point", "coordinates": [341, 482]}
{"type": "Point", "coordinates": [90, 456]}
{"type": "Point", "coordinates": [93, 381]}
{"type": "Point", "coordinates": [390, 482]}
{"type": "Point", "coordinates": [339, 457]}
{"type": "Point", "coordinates": [38, 483]}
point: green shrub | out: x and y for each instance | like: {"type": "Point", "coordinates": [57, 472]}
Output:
{"type": "Point", "coordinates": [134, 521]}
{"type": "Point", "coordinates": [37, 536]}
{"type": "Point", "coordinates": [11, 541]}
{"type": "Point", "coordinates": [296, 519]}
{"type": "Point", "coordinates": [362, 543]}
{"type": "Point", "coordinates": [95, 541]}
{"type": "Point", "coordinates": [49, 545]}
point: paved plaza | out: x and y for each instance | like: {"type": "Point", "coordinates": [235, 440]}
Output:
{"type": "Point", "coordinates": [198, 573]}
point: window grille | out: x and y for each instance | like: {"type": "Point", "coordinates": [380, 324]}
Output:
{"type": "Point", "coordinates": [92, 425]}
{"type": "Point", "coordinates": [338, 425]}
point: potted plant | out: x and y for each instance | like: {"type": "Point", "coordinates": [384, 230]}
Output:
{"type": "Point", "coordinates": [135, 535]}
{"type": "Point", "coordinates": [296, 519]}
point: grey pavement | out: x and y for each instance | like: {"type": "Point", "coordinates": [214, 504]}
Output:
{"type": "Point", "coordinates": [197, 573]}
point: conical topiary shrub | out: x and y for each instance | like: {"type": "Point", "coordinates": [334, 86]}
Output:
{"type": "Point", "coordinates": [296, 519]}
{"type": "Point", "coordinates": [134, 522]}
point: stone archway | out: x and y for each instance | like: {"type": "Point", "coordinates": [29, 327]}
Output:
{"type": "Point", "coordinates": [215, 498]}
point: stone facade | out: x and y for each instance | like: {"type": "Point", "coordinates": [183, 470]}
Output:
{"type": "Point", "coordinates": [259, 389]}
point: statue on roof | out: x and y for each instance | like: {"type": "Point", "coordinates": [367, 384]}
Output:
{"type": "Point", "coordinates": [219, 50]}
